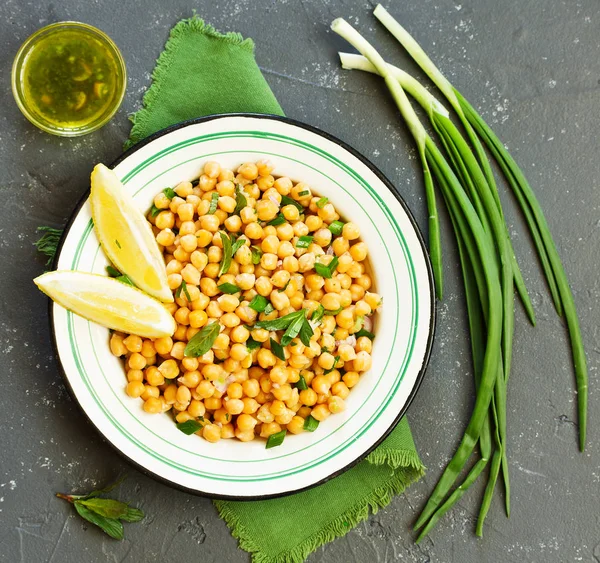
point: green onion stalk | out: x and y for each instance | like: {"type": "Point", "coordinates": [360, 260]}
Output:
{"type": "Point", "coordinates": [479, 244]}
{"type": "Point", "coordinates": [529, 204]}
{"type": "Point", "coordinates": [472, 176]}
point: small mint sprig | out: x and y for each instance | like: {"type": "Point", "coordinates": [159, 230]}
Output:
{"type": "Point", "coordinates": [106, 513]}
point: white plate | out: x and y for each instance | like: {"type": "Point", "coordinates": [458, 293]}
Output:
{"type": "Point", "coordinates": [404, 327]}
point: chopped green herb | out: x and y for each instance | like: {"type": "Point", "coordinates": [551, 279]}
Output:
{"type": "Point", "coordinates": [125, 279]}
{"type": "Point", "coordinates": [282, 289]}
{"type": "Point", "coordinates": [202, 341]}
{"type": "Point", "coordinates": [303, 193]}
{"type": "Point", "coordinates": [318, 313]}
{"type": "Point", "coordinates": [277, 349]}
{"type": "Point", "coordinates": [322, 202]}
{"type": "Point", "coordinates": [118, 243]}
{"type": "Point", "coordinates": [304, 241]}
{"type": "Point", "coordinates": [326, 271]}
{"type": "Point", "coordinates": [275, 440]}
{"type": "Point", "coordinates": [112, 271]}
{"type": "Point", "coordinates": [287, 200]}
{"type": "Point", "coordinates": [281, 323]}
{"type": "Point", "coordinates": [227, 254]}
{"type": "Point", "coordinates": [336, 228]}
{"type": "Point", "coordinates": [258, 303]}
{"type": "Point", "coordinates": [154, 211]}
{"type": "Point", "coordinates": [183, 287]}
{"type": "Point", "coordinates": [237, 245]}
{"type": "Point", "coordinates": [107, 514]}
{"type": "Point", "coordinates": [334, 312]}
{"type": "Point", "coordinates": [240, 200]}
{"type": "Point", "coordinates": [301, 384]}
{"type": "Point", "coordinates": [189, 427]}
{"type": "Point", "coordinates": [256, 254]}
{"type": "Point", "coordinates": [169, 192]}
{"type": "Point", "coordinates": [335, 361]}
{"type": "Point", "coordinates": [305, 333]}
{"type": "Point", "coordinates": [252, 344]}
{"type": "Point", "coordinates": [279, 220]}
{"type": "Point", "coordinates": [292, 344]}
{"type": "Point", "coordinates": [228, 288]}
{"type": "Point", "coordinates": [364, 332]}
{"type": "Point", "coordinates": [311, 423]}
{"type": "Point", "coordinates": [358, 323]}
{"type": "Point", "coordinates": [214, 199]}
{"type": "Point", "coordinates": [269, 309]}
{"type": "Point", "coordinates": [227, 417]}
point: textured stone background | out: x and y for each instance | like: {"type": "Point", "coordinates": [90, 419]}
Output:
{"type": "Point", "coordinates": [534, 69]}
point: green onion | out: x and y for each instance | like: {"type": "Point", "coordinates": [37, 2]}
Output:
{"type": "Point", "coordinates": [189, 427]}
{"type": "Point", "coordinates": [275, 440]}
{"type": "Point", "coordinates": [256, 255]}
{"type": "Point", "coordinates": [228, 288]}
{"type": "Point", "coordinates": [277, 349]}
{"type": "Point", "coordinates": [304, 241]}
{"type": "Point", "coordinates": [301, 384]}
{"type": "Point", "coordinates": [258, 303]}
{"type": "Point", "coordinates": [364, 332]}
{"type": "Point", "coordinates": [322, 202]}
{"type": "Point", "coordinates": [336, 228]}
{"type": "Point", "coordinates": [214, 198]}
{"type": "Point", "coordinates": [240, 200]}
{"type": "Point", "coordinates": [183, 287]}
{"type": "Point", "coordinates": [436, 166]}
{"type": "Point", "coordinates": [326, 271]}
{"type": "Point", "coordinates": [311, 423]}
{"type": "Point", "coordinates": [227, 253]}
{"type": "Point", "coordinates": [169, 192]}
{"type": "Point", "coordinates": [279, 220]}
{"type": "Point", "coordinates": [287, 200]}
{"type": "Point", "coordinates": [202, 341]}
{"type": "Point", "coordinates": [303, 193]}
{"type": "Point", "coordinates": [112, 271]}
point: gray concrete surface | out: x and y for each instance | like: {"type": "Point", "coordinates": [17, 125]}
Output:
{"type": "Point", "coordinates": [533, 67]}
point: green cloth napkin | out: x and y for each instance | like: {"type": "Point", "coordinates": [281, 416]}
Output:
{"type": "Point", "coordinates": [202, 72]}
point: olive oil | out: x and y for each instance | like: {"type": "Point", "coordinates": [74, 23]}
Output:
{"type": "Point", "coordinates": [69, 78]}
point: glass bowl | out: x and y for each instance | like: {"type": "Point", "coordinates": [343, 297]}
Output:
{"type": "Point", "coordinates": [23, 76]}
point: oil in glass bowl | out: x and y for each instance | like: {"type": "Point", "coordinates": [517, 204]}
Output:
{"type": "Point", "coordinates": [69, 78]}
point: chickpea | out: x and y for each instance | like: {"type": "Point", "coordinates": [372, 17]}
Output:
{"type": "Point", "coordinates": [363, 361]}
{"type": "Point", "coordinates": [269, 261]}
{"type": "Point", "coordinates": [116, 345]}
{"type": "Point", "coordinates": [320, 383]}
{"type": "Point", "coordinates": [153, 405]}
{"type": "Point", "coordinates": [269, 428]}
{"type": "Point", "coordinates": [331, 301]}
{"type": "Point", "coordinates": [135, 389]}
{"type": "Point", "coordinates": [320, 412]}
{"type": "Point", "coordinates": [322, 237]}
{"type": "Point", "coordinates": [211, 433]}
{"type": "Point", "coordinates": [165, 220]}
{"type": "Point", "coordinates": [133, 343]}
{"type": "Point", "coordinates": [266, 210]}
{"type": "Point", "coordinates": [251, 388]}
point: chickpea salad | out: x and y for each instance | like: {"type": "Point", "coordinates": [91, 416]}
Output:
{"type": "Point", "coordinates": [272, 305]}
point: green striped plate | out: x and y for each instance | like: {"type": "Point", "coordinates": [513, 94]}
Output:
{"type": "Point", "coordinates": [404, 327]}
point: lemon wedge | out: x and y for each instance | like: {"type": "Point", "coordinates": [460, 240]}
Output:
{"type": "Point", "coordinates": [125, 235]}
{"type": "Point", "coordinates": [108, 302]}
